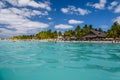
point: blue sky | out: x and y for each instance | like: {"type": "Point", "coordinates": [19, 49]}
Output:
{"type": "Point", "coordinates": [18, 17]}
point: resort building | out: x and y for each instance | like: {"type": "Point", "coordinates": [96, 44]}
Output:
{"type": "Point", "coordinates": [94, 35]}
{"type": "Point", "coordinates": [60, 38]}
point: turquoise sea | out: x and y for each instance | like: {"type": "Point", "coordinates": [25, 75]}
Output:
{"type": "Point", "coordinates": [29, 60]}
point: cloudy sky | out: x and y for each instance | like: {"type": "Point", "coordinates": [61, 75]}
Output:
{"type": "Point", "coordinates": [18, 17]}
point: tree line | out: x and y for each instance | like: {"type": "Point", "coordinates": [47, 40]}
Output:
{"type": "Point", "coordinates": [78, 32]}
{"type": "Point", "coordinates": [114, 32]}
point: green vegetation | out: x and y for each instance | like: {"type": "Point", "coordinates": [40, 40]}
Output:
{"type": "Point", "coordinates": [23, 37]}
{"type": "Point", "coordinates": [78, 32]}
{"type": "Point", "coordinates": [46, 34]}
{"type": "Point", "coordinates": [114, 32]}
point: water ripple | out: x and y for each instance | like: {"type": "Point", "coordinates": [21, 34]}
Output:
{"type": "Point", "coordinates": [104, 57]}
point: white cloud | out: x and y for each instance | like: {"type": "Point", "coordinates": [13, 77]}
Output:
{"type": "Point", "coordinates": [74, 10]}
{"type": "Point", "coordinates": [49, 18]}
{"type": "Point", "coordinates": [39, 5]}
{"type": "Point", "coordinates": [100, 5]}
{"type": "Point", "coordinates": [12, 2]}
{"type": "Point", "coordinates": [64, 10]}
{"type": "Point", "coordinates": [117, 9]}
{"type": "Point", "coordinates": [26, 12]}
{"type": "Point", "coordinates": [23, 2]}
{"type": "Point", "coordinates": [31, 3]}
{"type": "Point", "coordinates": [2, 4]}
{"type": "Point", "coordinates": [16, 19]}
{"type": "Point", "coordinates": [72, 21]}
{"type": "Point", "coordinates": [117, 19]}
{"type": "Point", "coordinates": [112, 5]}
{"type": "Point", "coordinates": [63, 26]}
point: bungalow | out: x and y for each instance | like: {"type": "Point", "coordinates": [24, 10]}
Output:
{"type": "Point", "coordinates": [94, 35]}
{"type": "Point", "coordinates": [67, 38]}
{"type": "Point", "coordinates": [60, 38]}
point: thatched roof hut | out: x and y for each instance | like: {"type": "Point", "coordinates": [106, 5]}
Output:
{"type": "Point", "coordinates": [94, 35]}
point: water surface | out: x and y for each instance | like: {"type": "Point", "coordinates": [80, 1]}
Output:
{"type": "Point", "coordinates": [27, 60]}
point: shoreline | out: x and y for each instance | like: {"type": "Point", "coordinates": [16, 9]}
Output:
{"type": "Point", "coordinates": [51, 40]}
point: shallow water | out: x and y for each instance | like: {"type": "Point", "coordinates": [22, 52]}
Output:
{"type": "Point", "coordinates": [25, 60]}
